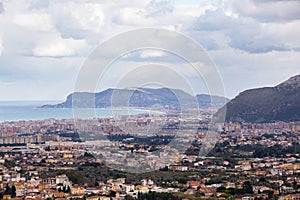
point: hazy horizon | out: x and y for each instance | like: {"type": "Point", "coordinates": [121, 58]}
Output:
{"type": "Point", "coordinates": [61, 100]}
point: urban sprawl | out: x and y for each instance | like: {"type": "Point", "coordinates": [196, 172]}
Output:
{"type": "Point", "coordinates": [52, 159]}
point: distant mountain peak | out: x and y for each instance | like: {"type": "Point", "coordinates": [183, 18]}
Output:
{"type": "Point", "coordinates": [269, 104]}
{"type": "Point", "coordinates": [293, 82]}
{"type": "Point", "coordinates": [141, 97]}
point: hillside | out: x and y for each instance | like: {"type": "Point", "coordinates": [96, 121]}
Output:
{"type": "Point", "coordinates": [140, 97]}
{"type": "Point", "coordinates": [269, 104]}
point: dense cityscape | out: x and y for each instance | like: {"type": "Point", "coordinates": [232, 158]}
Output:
{"type": "Point", "coordinates": [47, 159]}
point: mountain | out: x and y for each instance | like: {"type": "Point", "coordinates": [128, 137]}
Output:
{"type": "Point", "coordinates": [140, 97]}
{"type": "Point", "coordinates": [269, 104]}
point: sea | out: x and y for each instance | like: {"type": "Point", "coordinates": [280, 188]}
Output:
{"type": "Point", "coordinates": [31, 110]}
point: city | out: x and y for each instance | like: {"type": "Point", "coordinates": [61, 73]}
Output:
{"type": "Point", "coordinates": [149, 100]}
{"type": "Point", "coordinates": [46, 160]}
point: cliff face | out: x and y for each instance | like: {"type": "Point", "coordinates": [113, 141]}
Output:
{"type": "Point", "coordinates": [279, 103]}
{"type": "Point", "coordinates": [140, 97]}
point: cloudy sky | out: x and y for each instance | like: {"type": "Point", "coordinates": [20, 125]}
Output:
{"type": "Point", "coordinates": [43, 44]}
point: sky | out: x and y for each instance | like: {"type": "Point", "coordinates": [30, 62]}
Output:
{"type": "Point", "coordinates": [43, 44]}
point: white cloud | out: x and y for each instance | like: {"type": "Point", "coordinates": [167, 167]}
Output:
{"type": "Point", "coordinates": [38, 21]}
{"type": "Point", "coordinates": [247, 33]}
{"type": "Point", "coordinates": [265, 37]}
{"type": "Point", "coordinates": [58, 47]}
{"type": "Point", "coordinates": [269, 10]}
{"type": "Point", "coordinates": [214, 20]}
{"type": "Point", "coordinates": [151, 54]}
{"type": "Point", "coordinates": [1, 46]}
{"type": "Point", "coordinates": [133, 17]}
{"type": "Point", "coordinates": [144, 16]}
{"type": "Point", "coordinates": [242, 70]}
{"type": "Point", "coordinates": [73, 19]}
{"type": "Point", "coordinates": [1, 7]}
{"type": "Point", "coordinates": [244, 37]}
{"type": "Point", "coordinates": [159, 7]}
{"type": "Point", "coordinates": [285, 33]}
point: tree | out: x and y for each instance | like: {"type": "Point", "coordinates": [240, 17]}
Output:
{"type": "Point", "coordinates": [68, 189]}
{"type": "Point", "coordinates": [88, 155]}
{"type": "Point", "coordinates": [221, 189]}
{"type": "Point", "coordinates": [182, 181]}
{"type": "Point", "coordinates": [247, 188]}
{"type": "Point", "coordinates": [157, 196]}
{"type": "Point", "coordinates": [112, 194]}
{"type": "Point", "coordinates": [128, 197]}
{"type": "Point", "coordinates": [10, 190]}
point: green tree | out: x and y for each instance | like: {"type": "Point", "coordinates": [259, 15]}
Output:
{"type": "Point", "coordinates": [112, 194]}
{"type": "Point", "coordinates": [247, 188]}
{"type": "Point", "coordinates": [10, 190]}
{"type": "Point", "coordinates": [157, 196]}
{"type": "Point", "coordinates": [128, 197]}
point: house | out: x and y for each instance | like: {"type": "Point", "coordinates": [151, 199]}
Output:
{"type": "Point", "coordinates": [193, 184]}
{"type": "Point", "coordinates": [77, 190]}
{"type": "Point", "coordinates": [178, 168]}
{"type": "Point", "coordinates": [20, 189]}
{"type": "Point", "coordinates": [290, 197]}
{"type": "Point", "coordinates": [6, 197]}
{"type": "Point", "coordinates": [60, 194]}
